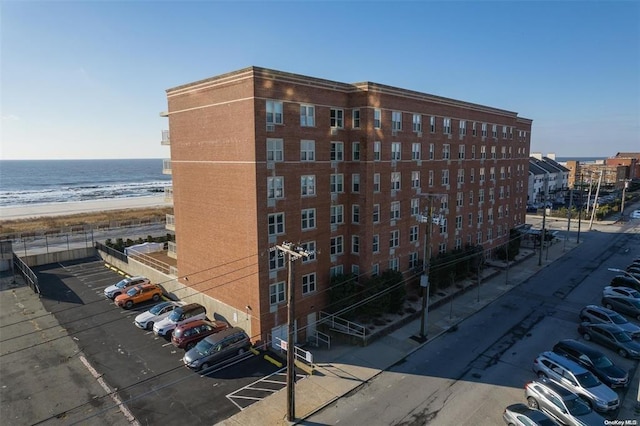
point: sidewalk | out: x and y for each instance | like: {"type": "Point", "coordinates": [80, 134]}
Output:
{"type": "Point", "coordinates": [342, 369]}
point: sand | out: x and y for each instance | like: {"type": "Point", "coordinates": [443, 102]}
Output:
{"type": "Point", "coordinates": [76, 207]}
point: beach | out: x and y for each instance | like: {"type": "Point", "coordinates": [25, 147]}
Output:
{"type": "Point", "coordinates": [78, 207]}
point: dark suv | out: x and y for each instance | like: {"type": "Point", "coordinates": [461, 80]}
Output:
{"type": "Point", "coordinates": [601, 315]}
{"type": "Point", "coordinates": [624, 281]}
{"type": "Point", "coordinates": [594, 361]}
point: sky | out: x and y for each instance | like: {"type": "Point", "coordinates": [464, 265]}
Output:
{"type": "Point", "coordinates": [87, 79]}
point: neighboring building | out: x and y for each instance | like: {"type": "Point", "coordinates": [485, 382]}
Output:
{"type": "Point", "coordinates": [259, 157]}
{"type": "Point", "coordinates": [631, 163]}
{"type": "Point", "coordinates": [614, 171]}
{"type": "Point", "coordinates": [545, 171]}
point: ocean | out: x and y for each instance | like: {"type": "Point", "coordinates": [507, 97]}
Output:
{"type": "Point", "coordinates": [29, 182]}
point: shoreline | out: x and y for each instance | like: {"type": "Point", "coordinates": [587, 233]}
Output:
{"type": "Point", "coordinates": [79, 207]}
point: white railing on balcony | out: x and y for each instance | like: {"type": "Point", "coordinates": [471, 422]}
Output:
{"type": "Point", "coordinates": [166, 140]}
{"type": "Point", "coordinates": [170, 222]}
{"type": "Point", "coordinates": [172, 250]}
{"type": "Point", "coordinates": [168, 194]}
{"type": "Point", "coordinates": [166, 166]}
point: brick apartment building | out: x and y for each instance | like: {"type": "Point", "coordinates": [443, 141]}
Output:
{"type": "Point", "coordinates": [259, 157]}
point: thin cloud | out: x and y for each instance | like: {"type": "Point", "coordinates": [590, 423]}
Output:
{"type": "Point", "coordinates": [10, 117]}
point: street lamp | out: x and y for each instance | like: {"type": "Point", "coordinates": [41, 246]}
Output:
{"type": "Point", "coordinates": [624, 272]}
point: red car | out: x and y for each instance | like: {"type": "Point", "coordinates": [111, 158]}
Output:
{"type": "Point", "coordinates": [187, 335]}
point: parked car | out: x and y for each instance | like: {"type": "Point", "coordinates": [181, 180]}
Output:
{"type": "Point", "coordinates": [624, 281]}
{"type": "Point", "coordinates": [186, 336]}
{"type": "Point", "coordinates": [594, 361]}
{"type": "Point", "coordinates": [120, 287]}
{"type": "Point", "coordinates": [216, 348]}
{"type": "Point", "coordinates": [559, 403]}
{"type": "Point", "coordinates": [612, 337]}
{"type": "Point", "coordinates": [521, 415]}
{"type": "Point", "coordinates": [628, 292]}
{"type": "Point", "coordinates": [180, 315]}
{"type": "Point", "coordinates": [623, 305]}
{"type": "Point", "coordinates": [577, 379]}
{"type": "Point", "coordinates": [601, 315]}
{"type": "Point", "coordinates": [139, 294]}
{"type": "Point", "coordinates": [635, 214]}
{"type": "Point", "coordinates": [159, 312]}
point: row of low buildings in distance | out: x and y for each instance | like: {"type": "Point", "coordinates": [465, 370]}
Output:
{"type": "Point", "coordinates": [347, 172]}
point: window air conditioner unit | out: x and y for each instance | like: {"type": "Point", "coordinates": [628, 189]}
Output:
{"type": "Point", "coordinates": [334, 131]}
{"type": "Point", "coordinates": [271, 128]}
{"type": "Point", "coordinates": [394, 133]}
{"type": "Point", "coordinates": [419, 134]}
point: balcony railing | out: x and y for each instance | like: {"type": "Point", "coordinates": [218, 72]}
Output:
{"type": "Point", "coordinates": [166, 166]}
{"type": "Point", "coordinates": [168, 194]}
{"type": "Point", "coordinates": [166, 140]}
{"type": "Point", "coordinates": [172, 251]}
{"type": "Point", "coordinates": [170, 223]}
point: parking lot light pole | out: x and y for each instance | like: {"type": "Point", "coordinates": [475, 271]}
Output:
{"type": "Point", "coordinates": [622, 271]}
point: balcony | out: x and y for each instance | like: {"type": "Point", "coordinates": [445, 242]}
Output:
{"type": "Point", "coordinates": [168, 194]}
{"type": "Point", "coordinates": [170, 223]}
{"type": "Point", "coordinates": [172, 251]}
{"type": "Point", "coordinates": [166, 167]}
{"type": "Point", "coordinates": [166, 140]}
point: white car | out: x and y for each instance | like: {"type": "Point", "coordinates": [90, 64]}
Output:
{"type": "Point", "coordinates": [635, 214]}
{"type": "Point", "coordinates": [624, 292]}
{"type": "Point", "coordinates": [146, 320]}
{"type": "Point", "coordinates": [114, 290]}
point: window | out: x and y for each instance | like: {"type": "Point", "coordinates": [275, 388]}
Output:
{"type": "Point", "coordinates": [395, 151]}
{"type": "Point", "coordinates": [473, 152]}
{"type": "Point", "coordinates": [355, 270]}
{"type": "Point", "coordinates": [395, 210]}
{"type": "Point", "coordinates": [458, 222]}
{"type": "Point", "coordinates": [336, 118]}
{"type": "Point", "coordinates": [337, 215]}
{"type": "Point", "coordinates": [309, 283]}
{"type": "Point", "coordinates": [417, 122]}
{"type": "Point", "coordinates": [442, 248]}
{"type": "Point", "coordinates": [415, 151]}
{"type": "Point", "coordinates": [504, 152]}
{"type": "Point", "coordinates": [309, 247]}
{"type": "Point", "coordinates": [491, 195]}
{"type": "Point", "coordinates": [444, 202]}
{"type": "Point", "coordinates": [376, 213]}
{"type": "Point", "coordinates": [489, 234]}
{"type": "Point", "coordinates": [308, 219]}
{"type": "Point", "coordinates": [376, 243]}
{"type": "Point", "coordinates": [463, 127]}
{"type": "Point", "coordinates": [355, 244]}
{"type": "Point", "coordinates": [430, 178]}
{"type": "Point", "coordinates": [413, 234]}
{"type": "Point", "coordinates": [307, 150]}
{"type": "Point", "coordinates": [490, 215]}
{"type": "Point", "coordinates": [355, 151]}
{"type": "Point", "coordinates": [432, 123]}
{"type": "Point", "coordinates": [492, 173]}
{"type": "Point", "coordinates": [484, 130]}
{"type": "Point", "coordinates": [276, 293]}
{"type": "Point", "coordinates": [276, 224]}
{"type": "Point", "coordinates": [446, 126]}
{"type": "Point", "coordinates": [504, 132]}
{"type": "Point", "coordinates": [336, 245]}
{"type": "Point", "coordinates": [432, 151]}
{"type": "Point", "coordinates": [376, 151]}
{"type": "Point", "coordinates": [470, 216]}
{"type": "Point", "coordinates": [276, 260]}
{"type": "Point", "coordinates": [481, 195]}
{"type": "Point", "coordinates": [446, 151]}
{"type": "Point", "coordinates": [355, 182]}
{"type": "Point", "coordinates": [355, 118]}
{"type": "Point", "coordinates": [510, 132]}
{"type": "Point", "coordinates": [275, 187]}
{"type": "Point", "coordinates": [483, 152]}
{"type": "Point", "coordinates": [461, 152]}
{"type": "Point", "coordinates": [415, 207]}
{"type": "Point", "coordinates": [394, 264]}
{"type": "Point", "coordinates": [473, 129]}
{"type": "Point", "coordinates": [355, 213]}
{"type": "Point", "coordinates": [459, 199]}
{"type": "Point", "coordinates": [394, 239]}
{"type": "Point", "coordinates": [493, 152]}
{"type": "Point", "coordinates": [445, 177]}
{"type": "Point", "coordinates": [307, 185]}
{"type": "Point", "coordinates": [479, 238]}
{"type": "Point", "coordinates": [307, 116]}
{"type": "Point", "coordinates": [472, 175]}
{"type": "Point", "coordinates": [502, 173]}
{"type": "Point", "coordinates": [460, 175]}
{"type": "Point", "coordinates": [337, 183]}
{"type": "Point", "coordinates": [500, 212]}
{"type": "Point", "coordinates": [458, 244]}
{"type": "Point", "coordinates": [396, 121]}
{"type": "Point", "coordinates": [274, 112]}
{"type": "Point", "coordinates": [274, 150]}
{"type": "Point", "coordinates": [337, 151]}
{"type": "Point", "coordinates": [481, 175]}
{"type": "Point", "coordinates": [443, 225]}
{"type": "Point", "coordinates": [413, 260]}
{"type": "Point", "coordinates": [395, 181]}
{"type": "Point", "coordinates": [375, 270]}
{"type": "Point", "coordinates": [376, 182]}
{"type": "Point", "coordinates": [494, 131]}
{"type": "Point", "coordinates": [480, 217]}
{"type": "Point", "coordinates": [415, 179]}
{"type": "Point", "coordinates": [377, 118]}
{"type": "Point", "coordinates": [335, 271]}
{"type": "Point", "coordinates": [470, 198]}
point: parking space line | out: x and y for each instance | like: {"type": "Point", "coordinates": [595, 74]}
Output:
{"type": "Point", "coordinates": [252, 387]}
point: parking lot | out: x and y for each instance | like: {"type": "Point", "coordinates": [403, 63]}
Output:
{"type": "Point", "coordinates": [146, 371]}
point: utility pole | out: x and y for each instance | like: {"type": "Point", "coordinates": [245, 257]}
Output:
{"type": "Point", "coordinates": [568, 219]}
{"type": "Point", "coordinates": [293, 253]}
{"type": "Point", "coordinates": [580, 209]}
{"type": "Point", "coordinates": [544, 218]}
{"type": "Point", "coordinates": [595, 201]}
{"type": "Point", "coordinates": [624, 190]}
